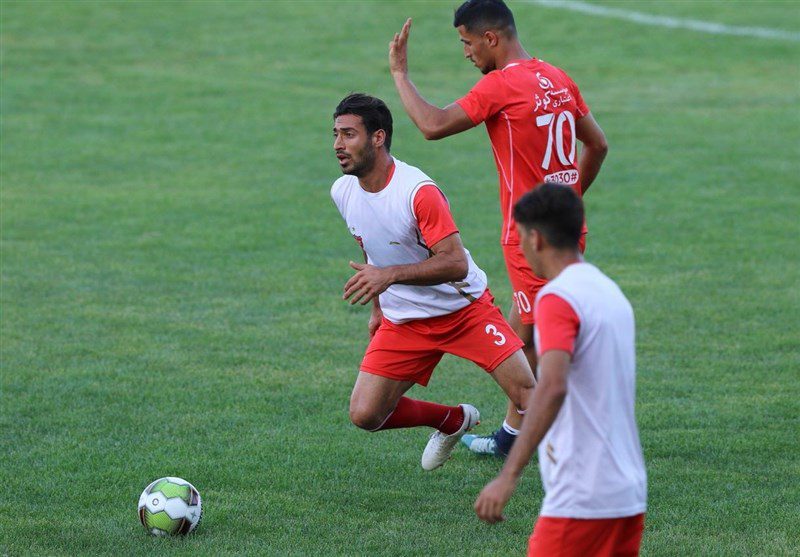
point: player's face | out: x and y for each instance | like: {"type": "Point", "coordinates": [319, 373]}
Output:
{"type": "Point", "coordinates": [476, 49]}
{"type": "Point", "coordinates": [353, 145]}
{"type": "Point", "coordinates": [528, 240]}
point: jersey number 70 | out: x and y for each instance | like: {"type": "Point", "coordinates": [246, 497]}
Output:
{"type": "Point", "coordinates": [549, 120]}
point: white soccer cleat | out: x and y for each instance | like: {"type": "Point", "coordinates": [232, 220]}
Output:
{"type": "Point", "coordinates": [440, 445]}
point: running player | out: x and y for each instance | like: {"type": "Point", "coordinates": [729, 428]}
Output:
{"type": "Point", "coordinates": [582, 412]}
{"type": "Point", "coordinates": [533, 113]}
{"type": "Point", "coordinates": [429, 297]}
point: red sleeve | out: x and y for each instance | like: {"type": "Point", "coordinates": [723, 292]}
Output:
{"type": "Point", "coordinates": [433, 215]}
{"type": "Point", "coordinates": [557, 323]}
{"type": "Point", "coordinates": [485, 99]}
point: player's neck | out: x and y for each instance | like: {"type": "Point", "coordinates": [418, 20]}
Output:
{"type": "Point", "coordinates": [378, 177]}
{"type": "Point", "coordinates": [513, 51]}
{"type": "Point", "coordinates": [558, 260]}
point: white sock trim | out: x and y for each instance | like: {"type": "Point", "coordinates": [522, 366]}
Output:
{"type": "Point", "coordinates": [510, 430]}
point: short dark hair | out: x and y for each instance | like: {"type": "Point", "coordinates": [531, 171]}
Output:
{"type": "Point", "coordinates": [479, 16]}
{"type": "Point", "coordinates": [555, 211]}
{"type": "Point", "coordinates": [373, 111]}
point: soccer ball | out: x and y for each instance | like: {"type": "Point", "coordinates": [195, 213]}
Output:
{"type": "Point", "coordinates": [170, 507]}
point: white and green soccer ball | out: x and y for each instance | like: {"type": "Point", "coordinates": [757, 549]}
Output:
{"type": "Point", "coordinates": [170, 507]}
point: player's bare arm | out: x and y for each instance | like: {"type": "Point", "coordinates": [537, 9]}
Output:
{"type": "Point", "coordinates": [432, 121]}
{"type": "Point", "coordinates": [543, 406]}
{"type": "Point", "coordinates": [447, 263]}
{"type": "Point", "coordinates": [593, 152]}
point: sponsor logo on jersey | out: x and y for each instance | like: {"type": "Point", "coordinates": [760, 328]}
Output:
{"type": "Point", "coordinates": [567, 177]}
{"type": "Point", "coordinates": [552, 99]}
{"type": "Point", "coordinates": [544, 83]}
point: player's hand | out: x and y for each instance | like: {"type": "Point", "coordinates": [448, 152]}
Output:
{"type": "Point", "coordinates": [493, 498]}
{"type": "Point", "coordinates": [375, 319]}
{"type": "Point", "coordinates": [367, 283]}
{"type": "Point", "coordinates": [398, 50]}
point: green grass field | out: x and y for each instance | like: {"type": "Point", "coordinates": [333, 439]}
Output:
{"type": "Point", "coordinates": [172, 269]}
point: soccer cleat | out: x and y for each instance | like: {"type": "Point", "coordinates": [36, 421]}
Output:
{"type": "Point", "coordinates": [440, 445]}
{"type": "Point", "coordinates": [483, 445]}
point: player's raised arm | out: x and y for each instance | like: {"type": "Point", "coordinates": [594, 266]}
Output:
{"type": "Point", "coordinates": [432, 121]}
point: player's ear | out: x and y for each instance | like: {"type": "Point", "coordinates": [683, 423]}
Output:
{"type": "Point", "coordinates": [491, 38]}
{"type": "Point", "coordinates": [538, 239]}
{"type": "Point", "coordinates": [378, 139]}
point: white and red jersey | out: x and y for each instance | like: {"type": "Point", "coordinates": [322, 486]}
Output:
{"type": "Point", "coordinates": [591, 459]}
{"type": "Point", "coordinates": [530, 109]}
{"type": "Point", "coordinates": [397, 226]}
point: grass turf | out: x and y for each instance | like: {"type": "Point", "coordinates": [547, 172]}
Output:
{"type": "Point", "coordinates": [172, 265]}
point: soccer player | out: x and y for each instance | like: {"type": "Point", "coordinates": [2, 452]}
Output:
{"type": "Point", "coordinates": [428, 296]}
{"type": "Point", "coordinates": [581, 414]}
{"type": "Point", "coordinates": [534, 113]}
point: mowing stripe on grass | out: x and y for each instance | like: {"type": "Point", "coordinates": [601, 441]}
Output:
{"type": "Point", "coordinates": [670, 22]}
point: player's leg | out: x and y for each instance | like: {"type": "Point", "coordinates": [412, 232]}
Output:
{"type": "Point", "coordinates": [374, 398]}
{"type": "Point", "coordinates": [481, 334]}
{"type": "Point", "coordinates": [377, 403]}
{"type": "Point", "coordinates": [516, 379]}
{"type": "Point", "coordinates": [399, 356]}
{"type": "Point", "coordinates": [525, 332]}
{"type": "Point", "coordinates": [525, 285]}
{"type": "Point", "coordinates": [505, 435]}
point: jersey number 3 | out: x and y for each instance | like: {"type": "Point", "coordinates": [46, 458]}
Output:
{"type": "Point", "coordinates": [492, 330]}
{"type": "Point", "coordinates": [558, 137]}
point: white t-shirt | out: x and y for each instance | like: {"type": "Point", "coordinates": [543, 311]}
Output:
{"type": "Point", "coordinates": [386, 227]}
{"type": "Point", "coordinates": [590, 459]}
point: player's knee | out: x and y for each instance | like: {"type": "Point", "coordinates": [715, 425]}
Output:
{"type": "Point", "coordinates": [520, 395]}
{"type": "Point", "coordinates": [365, 418]}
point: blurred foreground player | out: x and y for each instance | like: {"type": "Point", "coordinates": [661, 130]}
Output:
{"type": "Point", "coordinates": [581, 415]}
{"type": "Point", "coordinates": [429, 297]}
{"type": "Point", "coordinates": [534, 114]}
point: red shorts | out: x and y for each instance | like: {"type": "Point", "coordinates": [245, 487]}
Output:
{"type": "Point", "coordinates": [601, 537]}
{"type": "Point", "coordinates": [524, 283]}
{"type": "Point", "coordinates": [410, 351]}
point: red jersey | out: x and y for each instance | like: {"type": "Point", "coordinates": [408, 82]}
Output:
{"type": "Point", "coordinates": [530, 109]}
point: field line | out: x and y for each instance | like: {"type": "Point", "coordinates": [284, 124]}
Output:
{"type": "Point", "coordinates": [666, 21]}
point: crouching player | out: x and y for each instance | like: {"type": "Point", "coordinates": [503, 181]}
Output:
{"type": "Point", "coordinates": [582, 412]}
{"type": "Point", "coordinates": [428, 296]}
